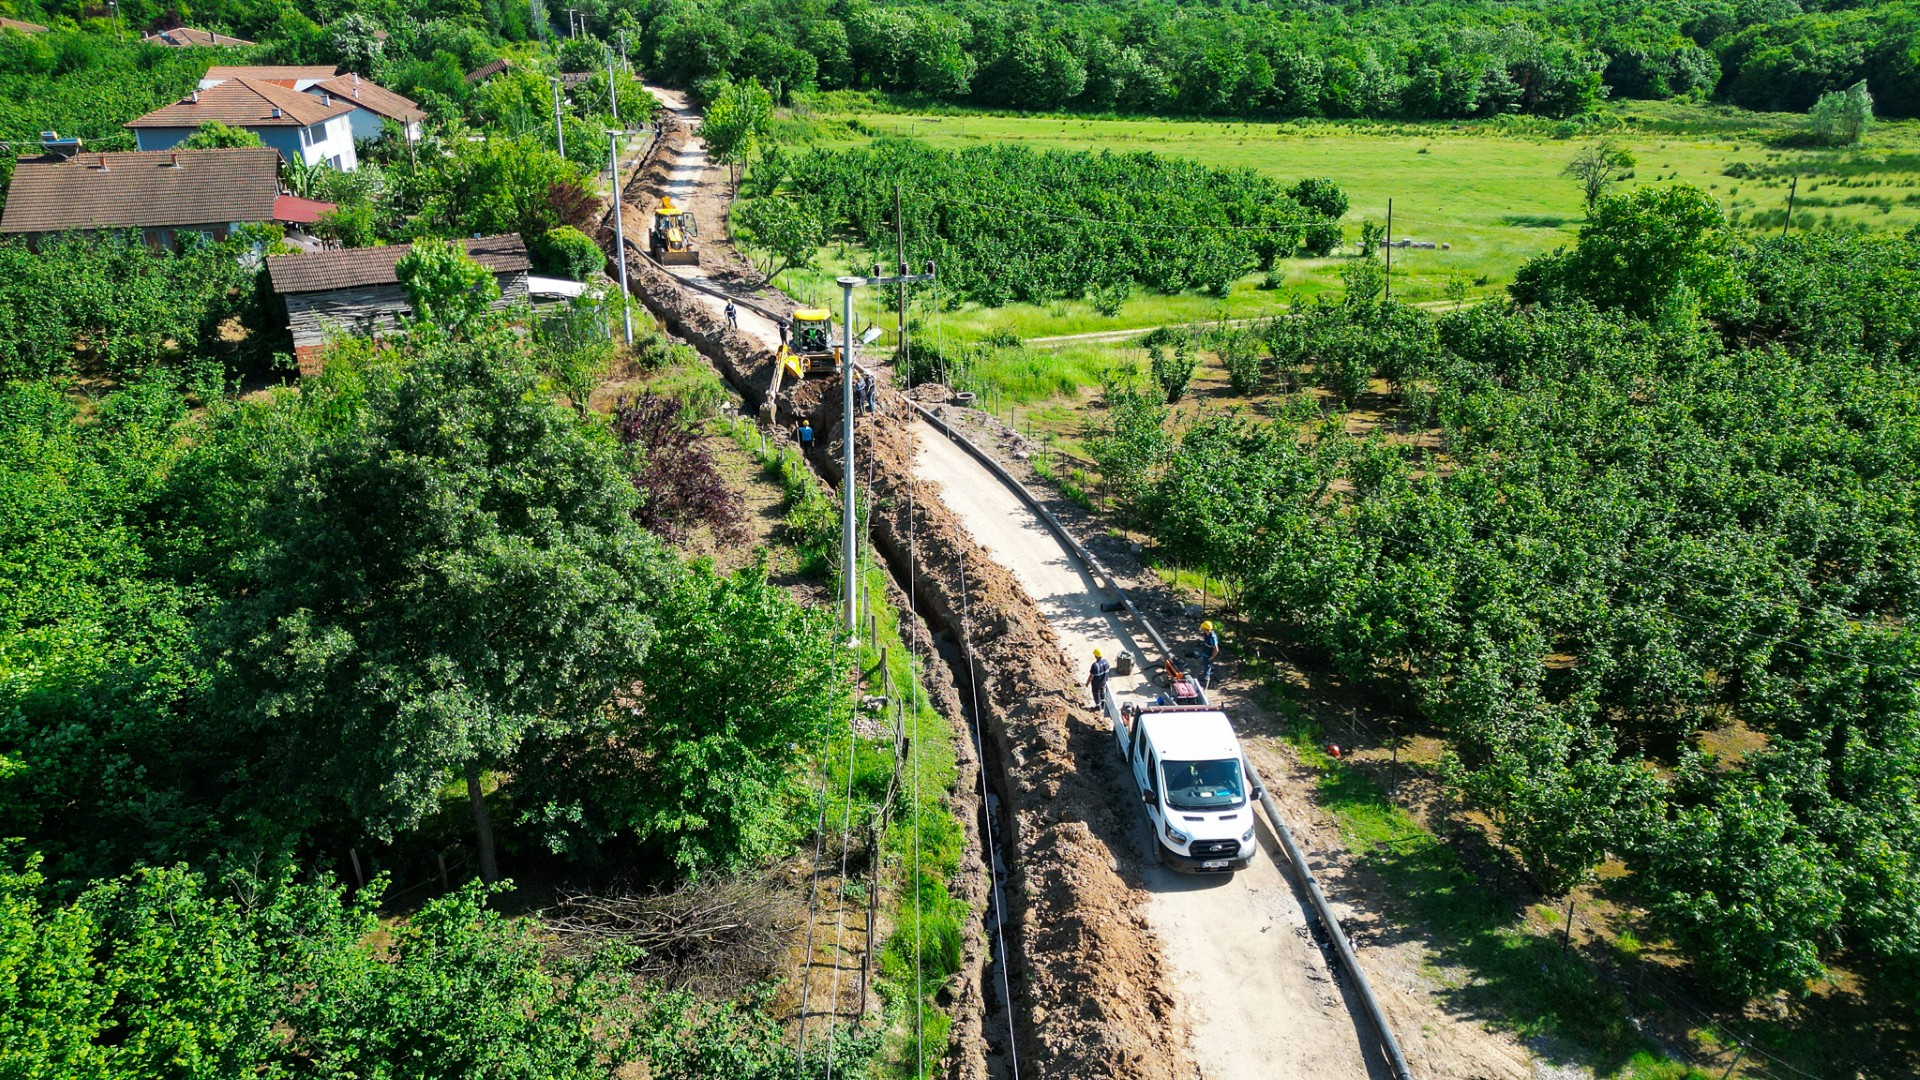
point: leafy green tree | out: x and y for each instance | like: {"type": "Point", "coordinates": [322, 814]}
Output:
{"type": "Point", "coordinates": [350, 225]}
{"type": "Point", "coordinates": [1641, 253]}
{"type": "Point", "coordinates": [1173, 370]}
{"type": "Point", "coordinates": [357, 43]}
{"type": "Point", "coordinates": [1129, 441]}
{"type": "Point", "coordinates": [1598, 166]}
{"type": "Point", "coordinates": [1746, 888]}
{"type": "Point", "coordinates": [444, 566]}
{"type": "Point", "coordinates": [734, 122]}
{"type": "Point", "coordinates": [214, 135]}
{"type": "Point", "coordinates": [1561, 797]}
{"type": "Point", "coordinates": [788, 232]}
{"type": "Point", "coordinates": [446, 287]}
{"type": "Point", "coordinates": [1841, 117]}
{"type": "Point", "coordinates": [700, 765]}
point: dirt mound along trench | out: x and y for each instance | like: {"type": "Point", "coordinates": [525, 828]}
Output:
{"type": "Point", "coordinates": [1085, 970]}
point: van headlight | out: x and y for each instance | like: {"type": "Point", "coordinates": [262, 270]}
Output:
{"type": "Point", "coordinates": [1247, 837]}
{"type": "Point", "coordinates": [1174, 834]}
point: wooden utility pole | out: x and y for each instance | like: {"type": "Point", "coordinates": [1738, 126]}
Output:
{"type": "Point", "coordinates": [1389, 249]}
{"type": "Point", "coordinates": [1792, 186]}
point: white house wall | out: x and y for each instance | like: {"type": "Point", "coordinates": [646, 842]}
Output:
{"type": "Point", "coordinates": [334, 140]}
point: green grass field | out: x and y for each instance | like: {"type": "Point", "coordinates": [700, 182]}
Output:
{"type": "Point", "coordinates": [1491, 190]}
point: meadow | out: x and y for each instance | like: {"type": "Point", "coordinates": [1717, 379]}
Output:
{"type": "Point", "coordinates": [1492, 191]}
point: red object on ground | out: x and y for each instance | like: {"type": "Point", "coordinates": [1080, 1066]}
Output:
{"type": "Point", "coordinates": [1333, 748]}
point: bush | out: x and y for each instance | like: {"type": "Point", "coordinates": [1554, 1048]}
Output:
{"type": "Point", "coordinates": [570, 253]}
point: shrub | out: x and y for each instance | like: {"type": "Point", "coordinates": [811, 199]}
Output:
{"type": "Point", "coordinates": [570, 253]}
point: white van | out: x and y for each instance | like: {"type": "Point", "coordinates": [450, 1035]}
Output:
{"type": "Point", "coordinates": [1192, 776]}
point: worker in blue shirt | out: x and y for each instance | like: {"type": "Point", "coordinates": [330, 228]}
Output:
{"type": "Point", "coordinates": [1210, 646]}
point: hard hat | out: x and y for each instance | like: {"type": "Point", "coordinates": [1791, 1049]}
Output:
{"type": "Point", "coordinates": [1096, 654]}
{"type": "Point", "coordinates": [1206, 626]}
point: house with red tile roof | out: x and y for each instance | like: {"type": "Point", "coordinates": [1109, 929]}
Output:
{"type": "Point", "coordinates": [161, 193]}
{"type": "Point", "coordinates": [373, 105]}
{"type": "Point", "coordinates": [312, 129]}
{"type": "Point", "coordinates": [291, 76]}
{"type": "Point", "coordinates": [186, 37]}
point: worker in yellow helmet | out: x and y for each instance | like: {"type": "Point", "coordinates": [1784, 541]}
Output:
{"type": "Point", "coordinates": [1097, 678]}
{"type": "Point", "coordinates": [1210, 646]}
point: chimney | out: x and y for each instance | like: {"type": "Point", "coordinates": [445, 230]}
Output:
{"type": "Point", "coordinates": [276, 112]}
{"type": "Point", "coordinates": [103, 163]}
{"type": "Point", "coordinates": [326, 98]}
{"type": "Point", "coordinates": [176, 159]}
{"type": "Point", "coordinates": [194, 97]}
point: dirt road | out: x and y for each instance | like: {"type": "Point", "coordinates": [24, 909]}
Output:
{"type": "Point", "coordinates": [1256, 989]}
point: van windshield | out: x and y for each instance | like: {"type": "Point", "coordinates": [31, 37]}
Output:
{"type": "Point", "coordinates": [1204, 785]}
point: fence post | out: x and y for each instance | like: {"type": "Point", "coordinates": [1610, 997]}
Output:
{"type": "Point", "coordinates": [445, 886]}
{"type": "Point", "coordinates": [359, 877]}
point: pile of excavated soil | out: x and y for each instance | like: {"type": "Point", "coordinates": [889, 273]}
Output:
{"type": "Point", "coordinates": [1087, 978]}
{"type": "Point", "coordinates": [1086, 973]}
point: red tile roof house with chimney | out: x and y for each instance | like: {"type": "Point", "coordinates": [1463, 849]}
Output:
{"type": "Point", "coordinates": [356, 291]}
{"type": "Point", "coordinates": [161, 193]}
{"type": "Point", "coordinates": [373, 105]}
{"type": "Point", "coordinates": [314, 130]}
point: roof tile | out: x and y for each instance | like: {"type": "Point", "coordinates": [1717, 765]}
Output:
{"type": "Point", "coordinates": [242, 103]}
{"type": "Point", "coordinates": [143, 189]}
{"type": "Point", "coordinates": [370, 96]}
{"type": "Point", "coordinates": [354, 268]}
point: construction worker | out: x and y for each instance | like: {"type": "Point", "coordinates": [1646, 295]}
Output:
{"type": "Point", "coordinates": [806, 437]}
{"type": "Point", "coordinates": [785, 329]}
{"type": "Point", "coordinates": [1210, 646]}
{"type": "Point", "coordinates": [1097, 678]}
{"type": "Point", "coordinates": [733, 317]}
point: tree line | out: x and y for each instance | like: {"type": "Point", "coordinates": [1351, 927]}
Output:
{"type": "Point", "coordinates": [1417, 59]}
{"type": "Point", "coordinates": [1640, 544]}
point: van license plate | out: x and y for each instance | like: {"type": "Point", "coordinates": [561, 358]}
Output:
{"type": "Point", "coordinates": [1214, 864]}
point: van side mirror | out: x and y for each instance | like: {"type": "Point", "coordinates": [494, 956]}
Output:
{"type": "Point", "coordinates": [1147, 796]}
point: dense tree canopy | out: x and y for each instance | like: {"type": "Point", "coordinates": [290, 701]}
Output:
{"type": "Point", "coordinates": [1415, 58]}
{"type": "Point", "coordinates": [1008, 223]}
{"type": "Point", "coordinates": [1659, 594]}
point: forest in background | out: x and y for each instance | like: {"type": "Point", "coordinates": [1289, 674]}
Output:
{"type": "Point", "coordinates": [1421, 59]}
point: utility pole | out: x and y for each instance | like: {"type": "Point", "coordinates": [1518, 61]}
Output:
{"type": "Point", "coordinates": [572, 29]}
{"type": "Point", "coordinates": [900, 257]}
{"type": "Point", "coordinates": [849, 539]}
{"type": "Point", "coordinates": [619, 231]}
{"type": "Point", "coordinates": [1792, 186]}
{"type": "Point", "coordinates": [559, 133]}
{"type": "Point", "coordinates": [613, 91]}
{"type": "Point", "coordinates": [1389, 249]}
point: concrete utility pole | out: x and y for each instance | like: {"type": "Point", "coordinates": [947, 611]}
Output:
{"type": "Point", "coordinates": [613, 89]}
{"type": "Point", "coordinates": [619, 230]}
{"type": "Point", "coordinates": [1792, 188]}
{"type": "Point", "coordinates": [849, 539]}
{"type": "Point", "coordinates": [559, 133]}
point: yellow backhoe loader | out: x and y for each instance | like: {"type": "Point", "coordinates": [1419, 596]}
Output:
{"type": "Point", "coordinates": [671, 239]}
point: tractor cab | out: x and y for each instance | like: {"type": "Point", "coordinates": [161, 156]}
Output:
{"type": "Point", "coordinates": [812, 340]}
{"type": "Point", "coordinates": [671, 239]}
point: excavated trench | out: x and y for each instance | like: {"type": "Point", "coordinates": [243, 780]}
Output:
{"type": "Point", "coordinates": [1087, 995]}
